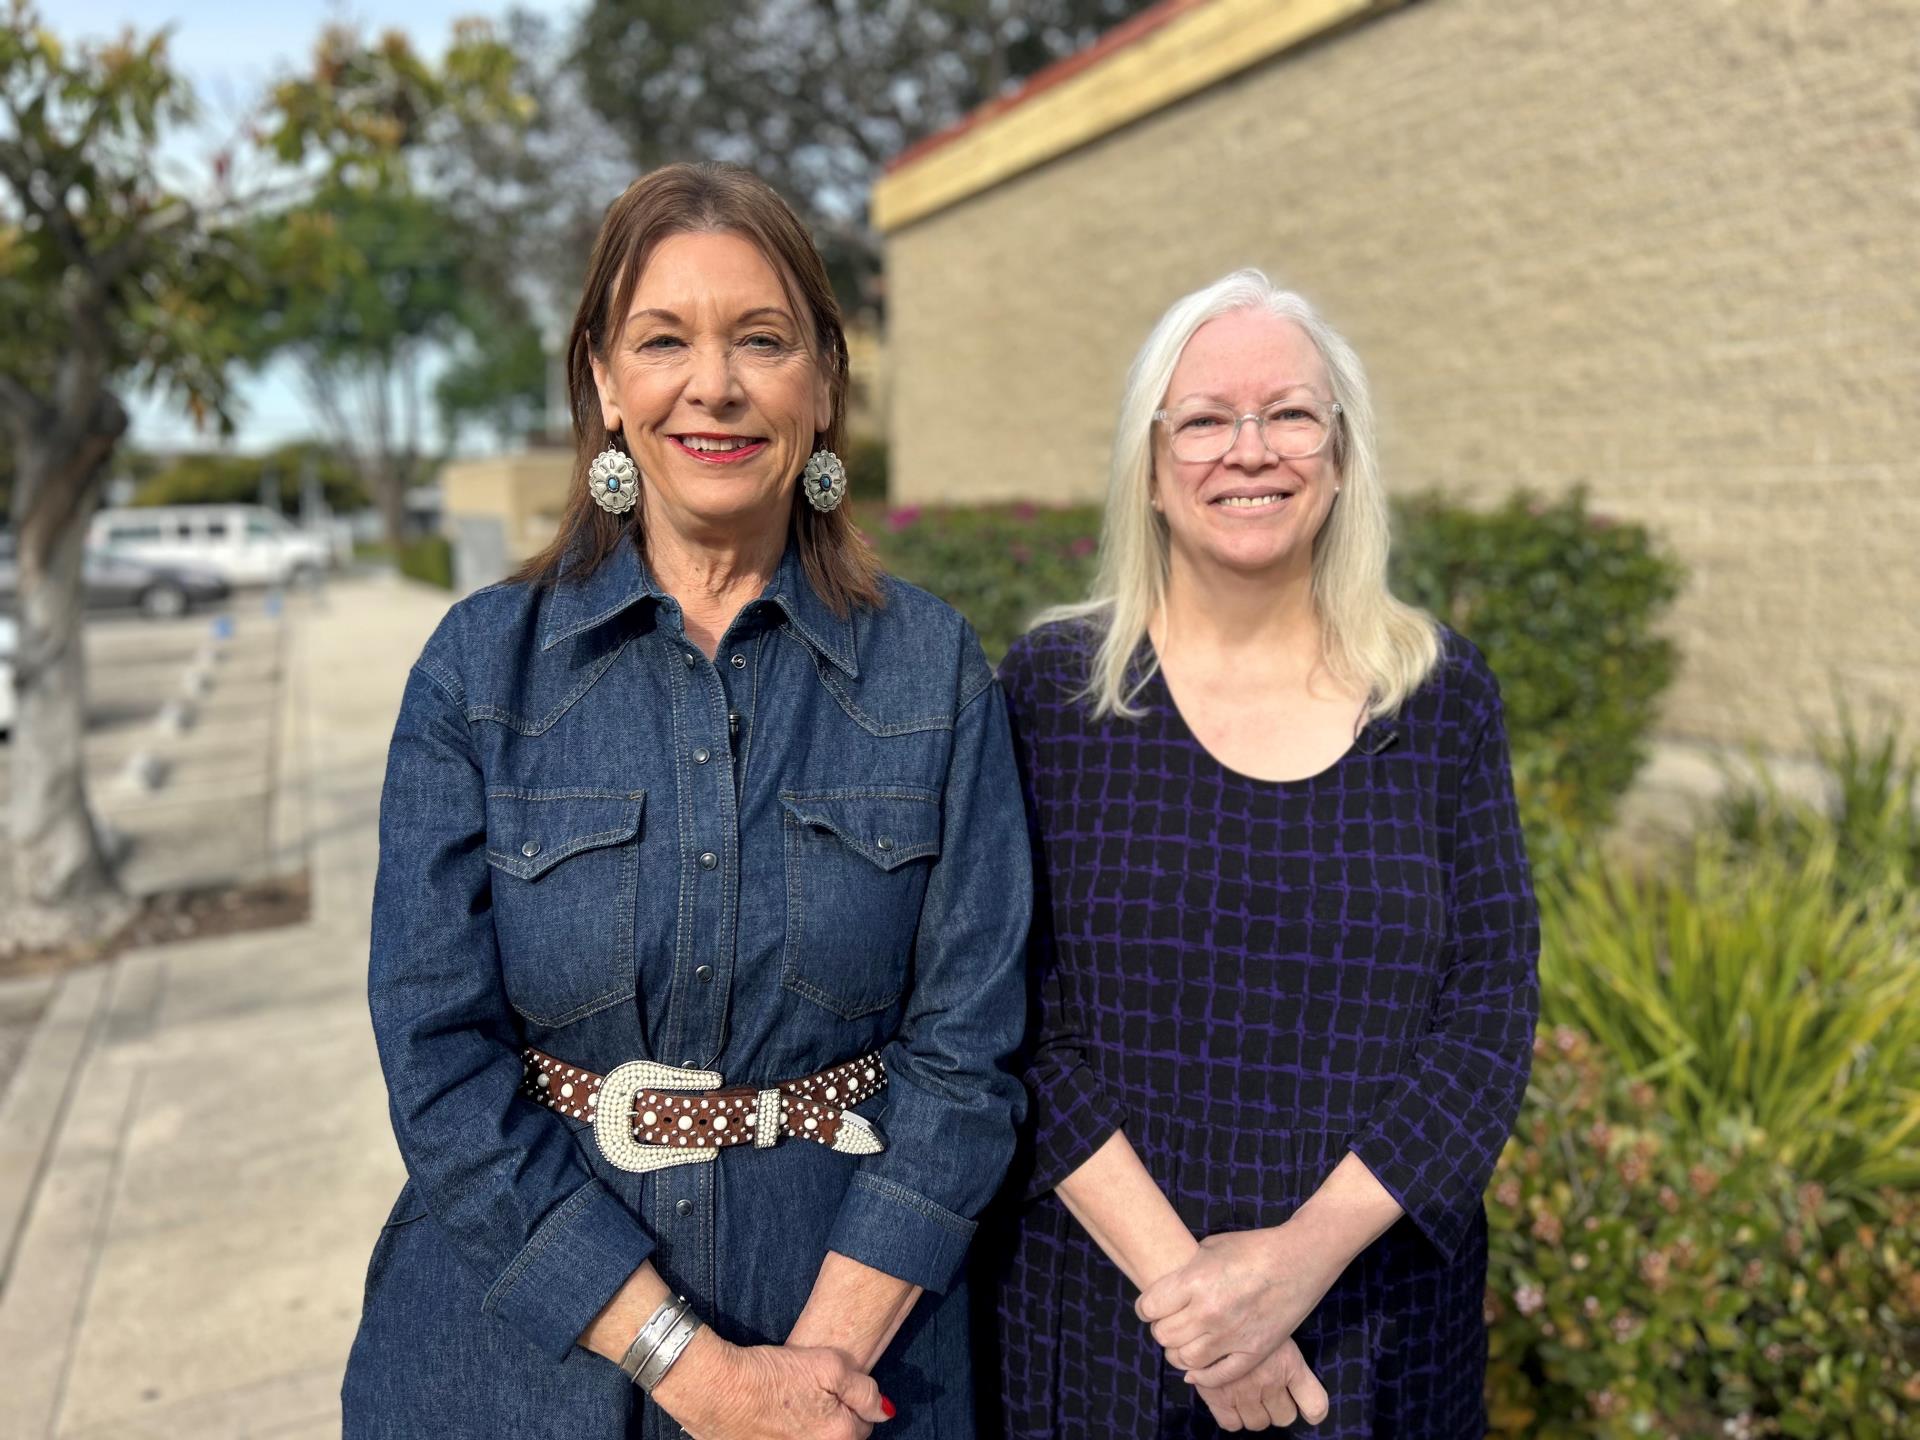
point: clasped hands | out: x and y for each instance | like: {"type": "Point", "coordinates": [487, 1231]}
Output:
{"type": "Point", "coordinates": [722, 1391]}
{"type": "Point", "coordinates": [1227, 1317]}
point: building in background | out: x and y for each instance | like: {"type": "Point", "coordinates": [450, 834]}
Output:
{"type": "Point", "coordinates": [1667, 252]}
{"type": "Point", "coordinates": [499, 510]}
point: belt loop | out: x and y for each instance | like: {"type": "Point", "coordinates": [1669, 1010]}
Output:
{"type": "Point", "coordinates": [768, 1108]}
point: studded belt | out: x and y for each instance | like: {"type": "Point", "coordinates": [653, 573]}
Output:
{"type": "Point", "coordinates": [647, 1116]}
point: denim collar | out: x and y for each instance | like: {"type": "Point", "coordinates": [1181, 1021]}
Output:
{"type": "Point", "coordinates": [622, 581]}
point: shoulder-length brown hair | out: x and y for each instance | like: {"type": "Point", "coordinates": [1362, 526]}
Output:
{"type": "Point", "coordinates": [676, 200]}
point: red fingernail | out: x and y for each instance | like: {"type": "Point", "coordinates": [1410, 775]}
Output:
{"type": "Point", "coordinates": [887, 1405]}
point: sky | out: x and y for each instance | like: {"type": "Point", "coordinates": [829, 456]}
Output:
{"type": "Point", "coordinates": [232, 50]}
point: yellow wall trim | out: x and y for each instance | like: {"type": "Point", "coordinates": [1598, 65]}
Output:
{"type": "Point", "coordinates": [1187, 54]}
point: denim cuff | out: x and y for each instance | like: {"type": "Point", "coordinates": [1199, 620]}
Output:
{"type": "Point", "coordinates": [884, 1224]}
{"type": "Point", "coordinates": [579, 1256]}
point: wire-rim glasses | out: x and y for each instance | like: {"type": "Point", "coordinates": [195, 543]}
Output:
{"type": "Point", "coordinates": [1295, 429]}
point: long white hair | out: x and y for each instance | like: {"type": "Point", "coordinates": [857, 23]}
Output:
{"type": "Point", "coordinates": [1371, 640]}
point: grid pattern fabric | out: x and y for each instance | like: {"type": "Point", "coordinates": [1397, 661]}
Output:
{"type": "Point", "coordinates": [1253, 978]}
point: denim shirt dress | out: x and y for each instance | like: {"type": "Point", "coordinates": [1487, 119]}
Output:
{"type": "Point", "coordinates": [598, 842]}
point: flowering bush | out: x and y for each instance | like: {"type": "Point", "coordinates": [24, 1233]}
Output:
{"type": "Point", "coordinates": [1647, 1281]}
{"type": "Point", "coordinates": [996, 564]}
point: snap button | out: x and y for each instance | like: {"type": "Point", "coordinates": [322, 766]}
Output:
{"type": "Point", "coordinates": [688, 657]}
{"type": "Point", "coordinates": [702, 755]}
{"type": "Point", "coordinates": [683, 1208]}
{"type": "Point", "coordinates": [885, 842]}
{"type": "Point", "coordinates": [708, 860]}
{"type": "Point", "coordinates": [530, 849]}
{"type": "Point", "coordinates": [704, 973]}
{"type": "Point", "coordinates": [739, 662]}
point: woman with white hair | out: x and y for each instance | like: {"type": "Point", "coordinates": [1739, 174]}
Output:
{"type": "Point", "coordinates": [1284, 939]}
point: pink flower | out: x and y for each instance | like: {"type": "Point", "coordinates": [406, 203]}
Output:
{"type": "Point", "coordinates": [901, 519]}
{"type": "Point", "coordinates": [1081, 546]}
{"type": "Point", "coordinates": [1025, 510]}
{"type": "Point", "coordinates": [1529, 1298]}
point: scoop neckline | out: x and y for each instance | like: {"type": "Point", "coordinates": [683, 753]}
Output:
{"type": "Point", "coordinates": [1185, 733]}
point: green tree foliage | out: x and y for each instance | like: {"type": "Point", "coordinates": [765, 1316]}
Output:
{"type": "Point", "coordinates": [214, 478]}
{"type": "Point", "coordinates": [413, 269]}
{"type": "Point", "coordinates": [394, 291]}
{"type": "Point", "coordinates": [497, 377]}
{"type": "Point", "coordinates": [108, 278]}
{"type": "Point", "coordinates": [816, 97]}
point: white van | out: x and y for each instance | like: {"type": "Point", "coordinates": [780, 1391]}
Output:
{"type": "Point", "coordinates": [243, 544]}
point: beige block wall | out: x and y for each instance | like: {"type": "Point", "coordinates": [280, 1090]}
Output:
{"type": "Point", "coordinates": [1670, 251]}
{"type": "Point", "coordinates": [526, 491]}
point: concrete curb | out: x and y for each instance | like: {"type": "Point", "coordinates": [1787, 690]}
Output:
{"type": "Point", "coordinates": [35, 1101]}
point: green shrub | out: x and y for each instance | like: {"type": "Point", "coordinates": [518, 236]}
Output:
{"type": "Point", "coordinates": [1647, 1280]}
{"type": "Point", "coordinates": [1565, 606]}
{"type": "Point", "coordinates": [996, 564]}
{"type": "Point", "coordinates": [430, 559]}
{"type": "Point", "coordinates": [866, 462]}
{"type": "Point", "coordinates": [1871, 820]}
{"type": "Point", "coordinates": [206, 478]}
{"type": "Point", "coordinates": [1752, 991]}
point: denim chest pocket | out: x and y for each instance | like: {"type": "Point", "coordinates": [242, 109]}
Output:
{"type": "Point", "coordinates": [857, 867]}
{"type": "Point", "coordinates": [566, 866]}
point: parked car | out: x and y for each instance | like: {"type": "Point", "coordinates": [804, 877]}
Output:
{"type": "Point", "coordinates": [115, 582]}
{"type": "Point", "coordinates": [244, 544]}
{"type": "Point", "coordinates": [9, 638]}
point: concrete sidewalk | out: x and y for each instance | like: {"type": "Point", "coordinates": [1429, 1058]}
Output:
{"type": "Point", "coordinates": [194, 1154]}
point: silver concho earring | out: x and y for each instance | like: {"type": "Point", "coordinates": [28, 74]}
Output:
{"type": "Point", "coordinates": [824, 480]}
{"type": "Point", "coordinates": [613, 480]}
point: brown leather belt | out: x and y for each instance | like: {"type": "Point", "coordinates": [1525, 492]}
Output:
{"type": "Point", "coordinates": [646, 1115]}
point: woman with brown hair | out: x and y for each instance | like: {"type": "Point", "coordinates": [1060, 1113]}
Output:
{"type": "Point", "coordinates": [692, 842]}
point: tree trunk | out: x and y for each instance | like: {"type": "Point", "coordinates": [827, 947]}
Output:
{"type": "Point", "coordinates": [59, 862]}
{"type": "Point", "coordinates": [390, 492]}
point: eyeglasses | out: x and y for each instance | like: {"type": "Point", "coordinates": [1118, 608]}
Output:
{"type": "Point", "coordinates": [1291, 429]}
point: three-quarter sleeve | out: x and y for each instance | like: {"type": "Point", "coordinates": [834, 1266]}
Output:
{"type": "Point", "coordinates": [1073, 1113]}
{"type": "Point", "coordinates": [953, 1096]}
{"type": "Point", "coordinates": [1433, 1141]}
{"type": "Point", "coordinates": [505, 1180]}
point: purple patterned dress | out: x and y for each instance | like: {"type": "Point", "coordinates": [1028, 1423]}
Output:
{"type": "Point", "coordinates": [1252, 978]}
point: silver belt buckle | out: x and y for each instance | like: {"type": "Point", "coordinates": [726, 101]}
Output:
{"type": "Point", "coordinates": [613, 1115]}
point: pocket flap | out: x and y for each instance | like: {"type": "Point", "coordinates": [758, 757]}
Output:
{"type": "Point", "coordinates": [531, 831]}
{"type": "Point", "coordinates": [888, 827]}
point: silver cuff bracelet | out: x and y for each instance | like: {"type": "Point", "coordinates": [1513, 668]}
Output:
{"type": "Point", "coordinates": [658, 1326]}
{"type": "Point", "coordinates": [654, 1368]}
